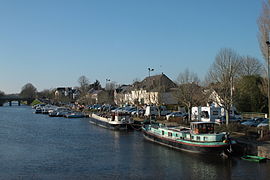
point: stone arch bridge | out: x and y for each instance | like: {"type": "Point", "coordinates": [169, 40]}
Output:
{"type": "Point", "coordinates": [10, 98]}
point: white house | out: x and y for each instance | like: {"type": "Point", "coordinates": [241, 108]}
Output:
{"type": "Point", "coordinates": [156, 89]}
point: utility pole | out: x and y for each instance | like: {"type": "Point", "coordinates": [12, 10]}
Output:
{"type": "Point", "coordinates": [268, 77]}
{"type": "Point", "coordinates": [106, 85]}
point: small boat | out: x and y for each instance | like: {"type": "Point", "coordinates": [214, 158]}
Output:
{"type": "Point", "coordinates": [38, 110]}
{"type": "Point", "coordinates": [75, 115]}
{"type": "Point", "coordinates": [58, 111]}
{"type": "Point", "coordinates": [114, 121]}
{"type": "Point", "coordinates": [254, 158]}
{"type": "Point", "coordinates": [199, 138]}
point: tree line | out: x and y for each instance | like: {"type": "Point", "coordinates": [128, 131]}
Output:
{"type": "Point", "coordinates": [237, 80]}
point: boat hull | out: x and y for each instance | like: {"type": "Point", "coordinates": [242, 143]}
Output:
{"type": "Point", "coordinates": [75, 116]}
{"type": "Point", "coordinates": [108, 125]}
{"type": "Point", "coordinates": [184, 146]}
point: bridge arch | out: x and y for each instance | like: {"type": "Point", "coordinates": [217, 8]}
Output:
{"type": "Point", "coordinates": [10, 98]}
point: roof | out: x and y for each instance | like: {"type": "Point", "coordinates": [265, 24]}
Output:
{"type": "Point", "coordinates": [156, 83]}
{"type": "Point", "coordinates": [124, 89]}
{"type": "Point", "coordinates": [95, 91]}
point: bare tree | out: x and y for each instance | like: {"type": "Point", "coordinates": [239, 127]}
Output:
{"type": "Point", "coordinates": [187, 77]}
{"type": "Point", "coordinates": [46, 93]}
{"type": "Point", "coordinates": [221, 76]}
{"type": "Point", "coordinates": [250, 66]}
{"type": "Point", "coordinates": [189, 93]}
{"type": "Point", "coordinates": [263, 36]}
{"type": "Point", "coordinates": [28, 91]}
{"type": "Point", "coordinates": [136, 80]}
{"type": "Point", "coordinates": [264, 27]}
{"type": "Point", "coordinates": [84, 83]}
{"type": "Point", "coordinates": [111, 86]}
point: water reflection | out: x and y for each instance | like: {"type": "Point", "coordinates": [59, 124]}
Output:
{"type": "Point", "coordinates": [34, 146]}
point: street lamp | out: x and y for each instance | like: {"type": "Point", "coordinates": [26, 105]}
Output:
{"type": "Point", "coordinates": [149, 70]}
{"type": "Point", "coordinates": [268, 83]}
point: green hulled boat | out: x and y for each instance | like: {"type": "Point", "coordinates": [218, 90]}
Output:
{"type": "Point", "coordinates": [199, 138]}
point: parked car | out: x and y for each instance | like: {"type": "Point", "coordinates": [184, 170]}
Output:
{"type": "Point", "coordinates": [265, 122]}
{"type": "Point", "coordinates": [140, 112]}
{"type": "Point", "coordinates": [253, 122]}
{"type": "Point", "coordinates": [155, 110]}
{"type": "Point", "coordinates": [222, 120]}
{"type": "Point", "coordinates": [175, 114]}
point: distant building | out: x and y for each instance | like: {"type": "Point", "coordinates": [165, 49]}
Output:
{"type": "Point", "coordinates": [100, 96]}
{"type": "Point", "coordinates": [67, 92]}
{"type": "Point", "coordinates": [122, 95]}
{"type": "Point", "coordinates": [156, 89]}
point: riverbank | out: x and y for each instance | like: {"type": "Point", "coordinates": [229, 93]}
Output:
{"type": "Point", "coordinates": [249, 142]}
{"type": "Point", "coordinates": [35, 146]}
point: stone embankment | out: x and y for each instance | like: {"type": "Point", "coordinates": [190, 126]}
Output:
{"type": "Point", "coordinates": [251, 146]}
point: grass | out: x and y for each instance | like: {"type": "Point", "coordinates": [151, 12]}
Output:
{"type": "Point", "coordinates": [35, 102]}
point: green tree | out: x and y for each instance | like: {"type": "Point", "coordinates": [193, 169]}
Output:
{"type": "Point", "coordinates": [96, 85]}
{"type": "Point", "coordinates": [248, 95]}
{"type": "Point", "coordinates": [28, 91]}
{"type": "Point", "coordinates": [2, 93]}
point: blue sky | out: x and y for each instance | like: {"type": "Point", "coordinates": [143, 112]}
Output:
{"type": "Point", "coordinates": [51, 43]}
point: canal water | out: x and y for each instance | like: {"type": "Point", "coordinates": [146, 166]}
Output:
{"type": "Point", "coordinates": [36, 146]}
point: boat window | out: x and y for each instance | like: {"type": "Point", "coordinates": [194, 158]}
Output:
{"type": "Point", "coordinates": [205, 138]}
{"type": "Point", "coordinates": [192, 137]}
{"type": "Point", "coordinates": [169, 134]}
{"type": "Point", "coordinates": [204, 128]}
{"type": "Point", "coordinates": [198, 138]}
{"type": "Point", "coordinates": [162, 132]}
{"type": "Point", "coordinates": [176, 135]}
{"type": "Point", "coordinates": [215, 113]}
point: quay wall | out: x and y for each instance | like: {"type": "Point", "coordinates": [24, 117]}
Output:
{"type": "Point", "coordinates": [245, 146]}
{"type": "Point", "coordinates": [264, 151]}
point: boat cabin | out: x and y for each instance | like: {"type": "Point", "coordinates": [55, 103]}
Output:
{"type": "Point", "coordinates": [202, 127]}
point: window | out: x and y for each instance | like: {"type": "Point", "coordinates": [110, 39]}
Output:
{"type": "Point", "coordinates": [169, 134]}
{"type": "Point", "coordinates": [215, 113]}
{"type": "Point", "coordinates": [204, 114]}
{"type": "Point", "coordinates": [176, 135]}
{"type": "Point", "coordinates": [198, 138]}
{"type": "Point", "coordinates": [205, 138]}
{"type": "Point", "coordinates": [162, 132]}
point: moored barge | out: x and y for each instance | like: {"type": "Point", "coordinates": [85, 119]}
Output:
{"type": "Point", "coordinates": [199, 138]}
